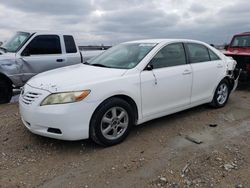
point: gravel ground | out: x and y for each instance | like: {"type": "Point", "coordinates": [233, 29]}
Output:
{"type": "Point", "coordinates": [156, 154]}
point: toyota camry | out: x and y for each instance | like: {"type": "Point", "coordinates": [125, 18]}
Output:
{"type": "Point", "coordinates": [127, 85]}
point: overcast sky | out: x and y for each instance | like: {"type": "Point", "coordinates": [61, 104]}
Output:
{"type": "Point", "coordinates": [114, 21]}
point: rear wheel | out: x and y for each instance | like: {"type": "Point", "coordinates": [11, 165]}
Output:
{"type": "Point", "coordinates": [221, 94]}
{"type": "Point", "coordinates": [5, 91]}
{"type": "Point", "coordinates": [111, 122]}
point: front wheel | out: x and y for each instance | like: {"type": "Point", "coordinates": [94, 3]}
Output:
{"type": "Point", "coordinates": [111, 122]}
{"type": "Point", "coordinates": [5, 91]}
{"type": "Point", "coordinates": [221, 94]}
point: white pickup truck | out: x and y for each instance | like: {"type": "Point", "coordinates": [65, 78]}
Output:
{"type": "Point", "coordinates": [29, 53]}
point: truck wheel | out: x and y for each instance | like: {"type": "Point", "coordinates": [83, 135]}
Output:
{"type": "Point", "coordinates": [221, 94]}
{"type": "Point", "coordinates": [111, 122]}
{"type": "Point", "coordinates": [5, 91]}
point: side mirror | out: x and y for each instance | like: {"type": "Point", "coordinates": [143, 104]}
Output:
{"type": "Point", "coordinates": [149, 67]}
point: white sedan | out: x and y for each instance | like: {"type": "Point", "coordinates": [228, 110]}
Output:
{"type": "Point", "coordinates": [127, 85]}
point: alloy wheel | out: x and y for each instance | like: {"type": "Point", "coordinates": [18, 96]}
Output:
{"type": "Point", "coordinates": [222, 94]}
{"type": "Point", "coordinates": [114, 123]}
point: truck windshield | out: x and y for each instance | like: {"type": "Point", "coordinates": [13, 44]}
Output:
{"type": "Point", "coordinates": [123, 56]}
{"type": "Point", "coordinates": [241, 41]}
{"type": "Point", "coordinates": [15, 42]}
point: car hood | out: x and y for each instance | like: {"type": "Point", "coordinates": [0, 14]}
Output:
{"type": "Point", "coordinates": [73, 78]}
{"type": "Point", "coordinates": [7, 56]}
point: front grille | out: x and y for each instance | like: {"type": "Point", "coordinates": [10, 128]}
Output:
{"type": "Point", "coordinates": [30, 97]}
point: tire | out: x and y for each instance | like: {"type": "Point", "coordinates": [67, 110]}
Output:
{"type": "Point", "coordinates": [111, 122]}
{"type": "Point", "coordinates": [221, 94]}
{"type": "Point", "coordinates": [5, 91]}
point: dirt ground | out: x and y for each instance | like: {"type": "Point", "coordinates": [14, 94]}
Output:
{"type": "Point", "coordinates": [156, 154]}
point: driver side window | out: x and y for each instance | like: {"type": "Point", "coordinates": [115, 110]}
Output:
{"type": "Point", "coordinates": [169, 56]}
{"type": "Point", "coordinates": [43, 44]}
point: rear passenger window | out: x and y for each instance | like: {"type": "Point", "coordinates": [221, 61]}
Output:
{"type": "Point", "coordinates": [213, 56]}
{"type": "Point", "coordinates": [69, 44]}
{"type": "Point", "coordinates": [170, 55]}
{"type": "Point", "coordinates": [198, 53]}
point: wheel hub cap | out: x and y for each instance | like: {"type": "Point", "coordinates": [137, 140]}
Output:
{"type": "Point", "coordinates": [114, 123]}
{"type": "Point", "coordinates": [222, 94]}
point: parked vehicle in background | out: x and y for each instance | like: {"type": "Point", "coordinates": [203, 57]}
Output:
{"type": "Point", "coordinates": [29, 53]}
{"type": "Point", "coordinates": [92, 47]}
{"type": "Point", "coordinates": [129, 84]}
{"type": "Point", "coordinates": [239, 49]}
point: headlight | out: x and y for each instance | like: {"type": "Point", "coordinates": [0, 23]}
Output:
{"type": "Point", "coordinates": [66, 97]}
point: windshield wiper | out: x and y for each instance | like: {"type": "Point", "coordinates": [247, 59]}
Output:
{"type": "Point", "coordinates": [86, 63]}
{"type": "Point", "coordinates": [96, 64]}
{"type": "Point", "coordinates": [100, 65]}
{"type": "Point", "coordinates": [4, 49]}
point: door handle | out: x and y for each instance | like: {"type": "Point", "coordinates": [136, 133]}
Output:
{"type": "Point", "coordinates": [186, 72]}
{"type": "Point", "coordinates": [59, 60]}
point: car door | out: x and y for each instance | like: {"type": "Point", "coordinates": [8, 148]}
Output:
{"type": "Point", "coordinates": [207, 70]}
{"type": "Point", "coordinates": [168, 85]}
{"type": "Point", "coordinates": [43, 53]}
{"type": "Point", "coordinates": [72, 53]}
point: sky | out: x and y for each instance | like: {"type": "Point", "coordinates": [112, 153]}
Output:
{"type": "Point", "coordinates": [110, 22]}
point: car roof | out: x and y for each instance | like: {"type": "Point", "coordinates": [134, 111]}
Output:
{"type": "Point", "coordinates": [46, 32]}
{"type": "Point", "coordinates": [165, 41]}
{"type": "Point", "coordinates": [242, 34]}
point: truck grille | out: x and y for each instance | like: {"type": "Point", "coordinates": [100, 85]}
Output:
{"type": "Point", "coordinates": [29, 97]}
{"type": "Point", "coordinates": [242, 61]}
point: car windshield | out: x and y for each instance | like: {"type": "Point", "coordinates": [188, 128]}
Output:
{"type": "Point", "coordinates": [15, 42]}
{"type": "Point", "coordinates": [241, 41]}
{"type": "Point", "coordinates": [123, 56]}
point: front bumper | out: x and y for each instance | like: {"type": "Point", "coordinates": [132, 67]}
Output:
{"type": "Point", "coordinates": [243, 65]}
{"type": "Point", "coordinates": [63, 121]}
